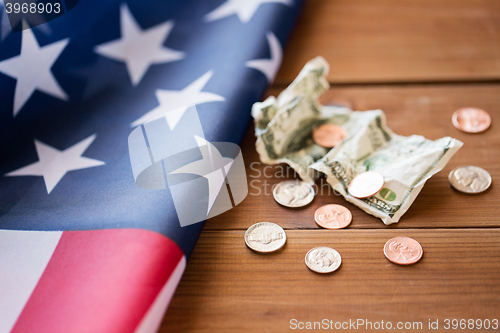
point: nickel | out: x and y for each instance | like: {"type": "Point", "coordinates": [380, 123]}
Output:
{"type": "Point", "coordinates": [403, 250]}
{"type": "Point", "coordinates": [471, 120]}
{"type": "Point", "coordinates": [328, 135]}
{"type": "Point", "coordinates": [333, 216]}
{"type": "Point", "coordinates": [470, 179]}
{"type": "Point", "coordinates": [366, 184]}
{"type": "Point", "coordinates": [265, 237]}
{"type": "Point", "coordinates": [293, 193]}
{"type": "Point", "coordinates": [323, 259]}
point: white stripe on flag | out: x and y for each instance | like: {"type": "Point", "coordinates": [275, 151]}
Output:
{"type": "Point", "coordinates": [23, 258]}
{"type": "Point", "coordinates": [153, 318]}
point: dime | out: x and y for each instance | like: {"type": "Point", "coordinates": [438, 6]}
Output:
{"type": "Point", "coordinates": [265, 237]}
{"type": "Point", "coordinates": [328, 135]}
{"type": "Point", "coordinates": [470, 179]}
{"type": "Point", "coordinates": [323, 259]}
{"type": "Point", "coordinates": [333, 216]}
{"type": "Point", "coordinates": [293, 193]}
{"type": "Point", "coordinates": [366, 184]}
{"type": "Point", "coordinates": [471, 120]}
{"type": "Point", "coordinates": [403, 250]}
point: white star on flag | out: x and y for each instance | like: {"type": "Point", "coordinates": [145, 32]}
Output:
{"type": "Point", "coordinates": [269, 67]}
{"type": "Point", "coordinates": [173, 103]}
{"type": "Point", "coordinates": [139, 48]}
{"type": "Point", "coordinates": [32, 69]}
{"type": "Point", "coordinates": [213, 166]}
{"type": "Point", "coordinates": [244, 9]}
{"type": "Point", "coordinates": [53, 164]}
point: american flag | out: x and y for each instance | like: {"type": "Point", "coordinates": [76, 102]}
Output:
{"type": "Point", "coordinates": [82, 247]}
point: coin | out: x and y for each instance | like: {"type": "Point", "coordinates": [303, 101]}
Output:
{"type": "Point", "coordinates": [366, 184]}
{"type": "Point", "coordinates": [328, 135]}
{"type": "Point", "coordinates": [470, 179]}
{"type": "Point", "coordinates": [403, 250]}
{"type": "Point", "coordinates": [323, 259]}
{"type": "Point", "coordinates": [471, 120]}
{"type": "Point", "coordinates": [333, 216]}
{"type": "Point", "coordinates": [293, 193]}
{"type": "Point", "coordinates": [265, 237]}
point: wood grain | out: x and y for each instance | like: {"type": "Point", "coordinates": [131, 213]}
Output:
{"type": "Point", "coordinates": [451, 48]}
{"type": "Point", "coordinates": [412, 109]}
{"type": "Point", "coordinates": [229, 288]}
{"type": "Point", "coordinates": [397, 40]}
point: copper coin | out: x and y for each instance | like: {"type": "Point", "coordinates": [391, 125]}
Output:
{"type": "Point", "coordinates": [328, 135]}
{"type": "Point", "coordinates": [471, 120]}
{"type": "Point", "coordinates": [403, 250]}
{"type": "Point", "coordinates": [366, 184]}
{"type": "Point", "coordinates": [333, 216]}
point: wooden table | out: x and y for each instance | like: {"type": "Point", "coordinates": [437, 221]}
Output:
{"type": "Point", "coordinates": [418, 61]}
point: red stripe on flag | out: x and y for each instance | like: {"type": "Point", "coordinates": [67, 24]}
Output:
{"type": "Point", "coordinates": [100, 281]}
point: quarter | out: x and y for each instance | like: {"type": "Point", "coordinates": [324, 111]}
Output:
{"type": "Point", "coordinates": [470, 179]}
{"type": "Point", "coordinates": [265, 237]}
{"type": "Point", "coordinates": [323, 259]}
{"type": "Point", "coordinates": [293, 193]}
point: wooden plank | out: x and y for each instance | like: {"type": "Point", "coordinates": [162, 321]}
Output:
{"type": "Point", "coordinates": [414, 109]}
{"type": "Point", "coordinates": [397, 40]}
{"type": "Point", "coordinates": [229, 288]}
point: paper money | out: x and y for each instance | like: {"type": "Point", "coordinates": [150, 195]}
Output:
{"type": "Point", "coordinates": [284, 127]}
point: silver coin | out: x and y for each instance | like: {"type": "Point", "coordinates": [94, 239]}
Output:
{"type": "Point", "coordinates": [265, 237]}
{"type": "Point", "coordinates": [323, 259]}
{"type": "Point", "coordinates": [470, 179]}
{"type": "Point", "coordinates": [293, 193]}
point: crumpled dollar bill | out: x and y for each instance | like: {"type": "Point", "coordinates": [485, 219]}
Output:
{"type": "Point", "coordinates": [284, 127]}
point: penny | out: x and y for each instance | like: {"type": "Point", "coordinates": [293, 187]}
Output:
{"type": "Point", "coordinates": [333, 216]}
{"type": "Point", "coordinates": [323, 259]}
{"type": "Point", "coordinates": [366, 184]}
{"type": "Point", "coordinates": [403, 250]}
{"type": "Point", "coordinates": [265, 237]}
{"type": "Point", "coordinates": [470, 179]}
{"type": "Point", "coordinates": [471, 120]}
{"type": "Point", "coordinates": [293, 193]}
{"type": "Point", "coordinates": [328, 135]}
